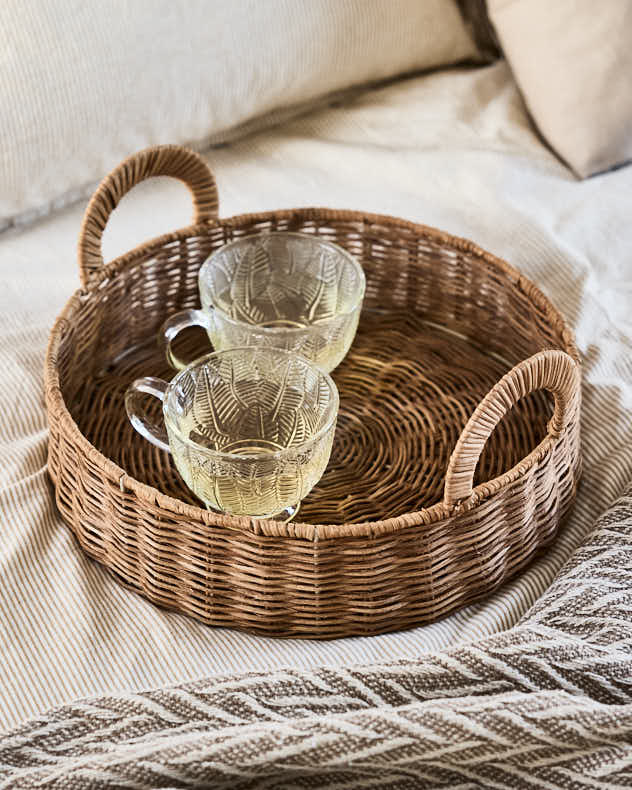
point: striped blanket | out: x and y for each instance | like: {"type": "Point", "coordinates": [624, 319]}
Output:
{"type": "Point", "coordinates": [545, 704]}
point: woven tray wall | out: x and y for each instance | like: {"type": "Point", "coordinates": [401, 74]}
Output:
{"type": "Point", "coordinates": [410, 521]}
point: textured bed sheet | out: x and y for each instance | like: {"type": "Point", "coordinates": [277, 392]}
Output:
{"type": "Point", "coordinates": [454, 149]}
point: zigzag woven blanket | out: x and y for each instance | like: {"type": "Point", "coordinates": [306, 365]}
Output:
{"type": "Point", "coordinates": [546, 704]}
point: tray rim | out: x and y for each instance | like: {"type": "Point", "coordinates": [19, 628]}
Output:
{"type": "Point", "coordinates": [438, 512]}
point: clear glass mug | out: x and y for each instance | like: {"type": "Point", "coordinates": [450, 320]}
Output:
{"type": "Point", "coordinates": [250, 429]}
{"type": "Point", "coordinates": [281, 290]}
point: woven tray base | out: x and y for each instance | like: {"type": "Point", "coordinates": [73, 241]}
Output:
{"type": "Point", "coordinates": [448, 473]}
{"type": "Point", "coordinates": [407, 388]}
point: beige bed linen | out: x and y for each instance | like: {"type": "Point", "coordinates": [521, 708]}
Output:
{"type": "Point", "coordinates": [543, 705]}
{"type": "Point", "coordinates": [454, 150]}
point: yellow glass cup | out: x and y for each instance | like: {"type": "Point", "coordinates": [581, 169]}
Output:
{"type": "Point", "coordinates": [284, 290]}
{"type": "Point", "coordinates": [250, 429]}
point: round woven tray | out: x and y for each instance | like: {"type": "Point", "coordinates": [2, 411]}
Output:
{"type": "Point", "coordinates": [455, 457]}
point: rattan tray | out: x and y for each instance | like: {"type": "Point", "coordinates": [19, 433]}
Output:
{"type": "Point", "coordinates": [456, 453]}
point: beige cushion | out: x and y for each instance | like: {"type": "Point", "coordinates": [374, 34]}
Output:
{"type": "Point", "coordinates": [573, 62]}
{"type": "Point", "coordinates": [84, 84]}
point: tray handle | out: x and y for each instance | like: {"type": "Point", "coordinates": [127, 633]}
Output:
{"type": "Point", "coordinates": [552, 370]}
{"type": "Point", "coordinates": [159, 160]}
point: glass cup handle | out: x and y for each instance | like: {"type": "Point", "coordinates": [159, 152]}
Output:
{"type": "Point", "coordinates": [174, 325]}
{"type": "Point", "coordinates": [134, 397]}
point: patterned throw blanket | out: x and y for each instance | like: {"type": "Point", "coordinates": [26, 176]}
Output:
{"type": "Point", "coordinates": [546, 704]}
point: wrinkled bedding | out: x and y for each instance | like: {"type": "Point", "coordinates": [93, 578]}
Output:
{"type": "Point", "coordinates": [453, 149]}
{"type": "Point", "coordinates": [544, 704]}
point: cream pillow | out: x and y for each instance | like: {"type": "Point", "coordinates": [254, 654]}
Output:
{"type": "Point", "coordinates": [573, 62]}
{"type": "Point", "coordinates": [84, 84]}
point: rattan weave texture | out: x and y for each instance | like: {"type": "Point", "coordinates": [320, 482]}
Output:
{"type": "Point", "coordinates": [456, 454]}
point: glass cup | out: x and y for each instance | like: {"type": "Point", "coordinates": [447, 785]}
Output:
{"type": "Point", "coordinates": [281, 290]}
{"type": "Point", "coordinates": [250, 429]}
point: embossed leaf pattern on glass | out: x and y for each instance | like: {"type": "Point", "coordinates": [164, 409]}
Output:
{"type": "Point", "coordinates": [248, 289]}
{"type": "Point", "coordinates": [250, 405]}
{"type": "Point", "coordinates": [283, 277]}
{"type": "Point", "coordinates": [208, 426]}
{"type": "Point", "coordinates": [302, 294]}
{"type": "Point", "coordinates": [321, 290]}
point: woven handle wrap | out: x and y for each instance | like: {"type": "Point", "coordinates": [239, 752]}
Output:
{"type": "Point", "coordinates": [555, 371]}
{"type": "Point", "coordinates": [162, 160]}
